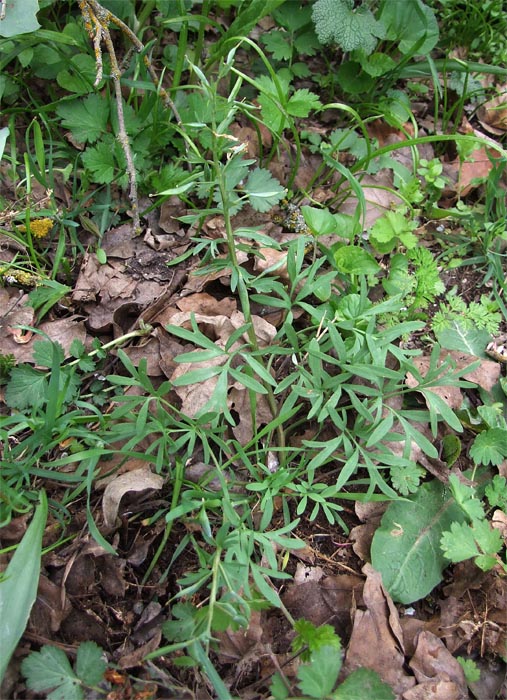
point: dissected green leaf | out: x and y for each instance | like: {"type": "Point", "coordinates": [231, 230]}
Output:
{"type": "Point", "coordinates": [87, 118]}
{"type": "Point", "coordinates": [18, 587]}
{"type": "Point", "coordinates": [49, 669]}
{"type": "Point", "coordinates": [102, 162]}
{"type": "Point", "coordinates": [263, 190]}
{"type": "Point", "coordinates": [490, 447]}
{"type": "Point", "coordinates": [406, 546]}
{"type": "Point", "coordinates": [458, 543]}
{"type": "Point", "coordinates": [496, 492]}
{"type": "Point", "coordinates": [391, 229]}
{"type": "Point", "coordinates": [278, 43]}
{"type": "Point", "coordinates": [302, 102]}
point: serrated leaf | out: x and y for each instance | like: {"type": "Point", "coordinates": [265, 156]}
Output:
{"type": "Point", "coordinates": [490, 447]}
{"type": "Point", "coordinates": [18, 587]}
{"type": "Point", "coordinates": [26, 388]}
{"type": "Point", "coordinates": [263, 190]}
{"type": "Point", "coordinates": [277, 43]}
{"type": "Point", "coordinates": [50, 668]}
{"type": "Point", "coordinates": [87, 119]}
{"type": "Point", "coordinates": [90, 664]}
{"type": "Point", "coordinates": [302, 102]}
{"type": "Point", "coordinates": [47, 352]}
{"type": "Point", "coordinates": [338, 21]}
{"type": "Point", "coordinates": [406, 546]}
{"type": "Point", "coordinates": [458, 543]}
{"type": "Point", "coordinates": [318, 679]}
{"type": "Point", "coordinates": [100, 161]}
{"type": "Point", "coordinates": [361, 684]}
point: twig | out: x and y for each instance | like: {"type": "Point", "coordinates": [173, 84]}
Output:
{"type": "Point", "coordinates": [97, 19]}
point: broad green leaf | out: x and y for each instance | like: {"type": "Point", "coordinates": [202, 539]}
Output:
{"type": "Point", "coordinates": [469, 340]}
{"type": "Point", "coordinates": [413, 24]}
{"type": "Point", "coordinates": [354, 260]}
{"type": "Point", "coordinates": [49, 669]}
{"type": "Point", "coordinates": [79, 76]}
{"type": "Point", "coordinates": [363, 684]}
{"type": "Point", "coordinates": [46, 352]}
{"type": "Point", "coordinates": [18, 587]}
{"type": "Point", "coordinates": [20, 18]}
{"type": "Point", "coordinates": [406, 546]}
{"type": "Point", "coordinates": [338, 21]}
{"type": "Point", "coordinates": [4, 133]}
{"type": "Point", "coordinates": [87, 118]}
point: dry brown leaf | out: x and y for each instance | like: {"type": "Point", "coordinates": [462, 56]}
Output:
{"type": "Point", "coordinates": [439, 675]}
{"type": "Point", "coordinates": [326, 601]}
{"type": "Point", "coordinates": [493, 113]}
{"type": "Point", "coordinates": [485, 376]}
{"type": "Point", "coordinates": [377, 637]}
{"type": "Point", "coordinates": [138, 480]}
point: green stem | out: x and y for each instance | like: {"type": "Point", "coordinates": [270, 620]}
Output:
{"type": "Point", "coordinates": [178, 483]}
{"type": "Point", "coordinates": [243, 291]}
{"type": "Point", "coordinates": [182, 47]}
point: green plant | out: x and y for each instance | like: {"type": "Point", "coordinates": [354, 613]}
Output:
{"type": "Point", "coordinates": [19, 581]}
{"type": "Point", "coordinates": [320, 648]}
{"type": "Point", "coordinates": [49, 670]}
{"type": "Point", "coordinates": [475, 539]}
{"type": "Point", "coordinates": [480, 27]}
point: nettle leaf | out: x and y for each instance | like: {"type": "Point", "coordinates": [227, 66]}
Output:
{"type": "Point", "coordinates": [337, 21]}
{"type": "Point", "coordinates": [302, 102]}
{"type": "Point", "coordinates": [263, 190]}
{"type": "Point", "coordinates": [363, 683]}
{"type": "Point", "coordinates": [87, 119]}
{"type": "Point", "coordinates": [490, 447]}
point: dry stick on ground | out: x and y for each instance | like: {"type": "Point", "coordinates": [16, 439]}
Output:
{"type": "Point", "coordinates": [97, 20]}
